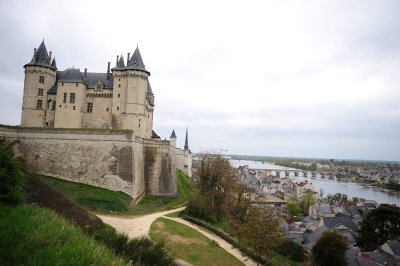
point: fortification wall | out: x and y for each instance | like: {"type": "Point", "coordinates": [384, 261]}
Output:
{"type": "Point", "coordinates": [183, 161]}
{"type": "Point", "coordinates": [104, 158]}
{"type": "Point", "coordinates": [159, 168]}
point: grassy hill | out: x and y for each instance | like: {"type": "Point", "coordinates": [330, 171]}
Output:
{"type": "Point", "coordinates": [35, 236]}
{"type": "Point", "coordinates": [107, 201]}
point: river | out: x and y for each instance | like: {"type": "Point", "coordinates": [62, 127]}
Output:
{"type": "Point", "coordinates": [351, 189]}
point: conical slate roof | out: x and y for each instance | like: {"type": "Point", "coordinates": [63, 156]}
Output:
{"type": "Point", "coordinates": [173, 135]}
{"type": "Point", "coordinates": [136, 62]}
{"type": "Point", "coordinates": [53, 63]}
{"type": "Point", "coordinates": [149, 90]}
{"type": "Point", "coordinates": [121, 62]}
{"type": "Point", "coordinates": [186, 140]}
{"type": "Point", "coordinates": [41, 58]}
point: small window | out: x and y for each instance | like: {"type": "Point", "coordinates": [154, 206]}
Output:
{"type": "Point", "coordinates": [65, 97]}
{"type": "Point", "coordinates": [73, 107]}
{"type": "Point", "coordinates": [107, 109]}
{"type": "Point", "coordinates": [54, 106]}
{"type": "Point", "coordinates": [117, 108]}
{"type": "Point", "coordinates": [72, 97]}
{"type": "Point", "coordinates": [60, 105]}
{"type": "Point", "coordinates": [40, 92]}
{"type": "Point", "coordinates": [90, 107]}
{"type": "Point", "coordinates": [62, 84]}
{"type": "Point", "coordinates": [47, 124]}
{"type": "Point", "coordinates": [41, 79]}
{"type": "Point", "coordinates": [119, 95]}
{"type": "Point", "coordinates": [119, 79]}
{"type": "Point", "coordinates": [139, 125]}
{"type": "Point", "coordinates": [39, 104]}
{"type": "Point", "coordinates": [119, 85]}
{"type": "Point", "coordinates": [76, 84]}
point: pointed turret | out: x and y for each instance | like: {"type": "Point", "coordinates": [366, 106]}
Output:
{"type": "Point", "coordinates": [173, 135]}
{"type": "Point", "coordinates": [186, 140]}
{"type": "Point", "coordinates": [53, 63]}
{"type": "Point", "coordinates": [172, 139]}
{"type": "Point", "coordinates": [136, 62]}
{"type": "Point", "coordinates": [149, 90]}
{"type": "Point", "coordinates": [121, 62]}
{"type": "Point", "coordinates": [41, 57]}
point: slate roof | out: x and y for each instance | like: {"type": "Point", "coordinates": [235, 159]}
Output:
{"type": "Point", "coordinates": [323, 209]}
{"type": "Point", "coordinates": [70, 75]}
{"type": "Point", "coordinates": [395, 246]}
{"type": "Point", "coordinates": [149, 90]}
{"type": "Point", "coordinates": [332, 222]}
{"type": "Point", "coordinates": [173, 135]}
{"type": "Point", "coordinates": [42, 58]}
{"type": "Point", "coordinates": [136, 62]}
{"type": "Point", "coordinates": [91, 79]}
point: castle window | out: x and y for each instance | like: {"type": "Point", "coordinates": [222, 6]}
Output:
{"type": "Point", "coordinates": [73, 107]}
{"type": "Point", "coordinates": [72, 97]}
{"type": "Point", "coordinates": [90, 107]}
{"type": "Point", "coordinates": [117, 108]}
{"type": "Point", "coordinates": [39, 104]}
{"type": "Point", "coordinates": [40, 92]}
{"type": "Point", "coordinates": [119, 95]}
{"type": "Point", "coordinates": [119, 85]}
{"type": "Point", "coordinates": [54, 106]}
{"type": "Point", "coordinates": [65, 97]}
{"type": "Point", "coordinates": [41, 79]}
{"type": "Point", "coordinates": [107, 109]}
{"type": "Point", "coordinates": [76, 84]}
{"type": "Point", "coordinates": [139, 125]}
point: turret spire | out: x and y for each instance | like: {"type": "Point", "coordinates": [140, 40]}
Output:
{"type": "Point", "coordinates": [186, 140]}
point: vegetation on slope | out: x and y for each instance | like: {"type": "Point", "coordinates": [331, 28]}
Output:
{"type": "Point", "coordinates": [189, 245]}
{"type": "Point", "coordinates": [142, 251]}
{"type": "Point", "coordinates": [107, 201]}
{"type": "Point", "coordinates": [35, 236]}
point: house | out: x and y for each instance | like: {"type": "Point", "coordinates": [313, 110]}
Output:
{"type": "Point", "coordinates": [321, 210]}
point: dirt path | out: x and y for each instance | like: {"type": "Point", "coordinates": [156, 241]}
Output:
{"type": "Point", "coordinates": [134, 227]}
{"type": "Point", "coordinates": [140, 226]}
{"type": "Point", "coordinates": [222, 243]}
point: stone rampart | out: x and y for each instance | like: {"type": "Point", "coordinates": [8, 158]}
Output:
{"type": "Point", "coordinates": [113, 159]}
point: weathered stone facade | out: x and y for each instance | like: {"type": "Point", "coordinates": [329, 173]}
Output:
{"type": "Point", "coordinates": [116, 160]}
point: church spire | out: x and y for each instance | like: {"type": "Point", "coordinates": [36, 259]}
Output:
{"type": "Point", "coordinates": [186, 140]}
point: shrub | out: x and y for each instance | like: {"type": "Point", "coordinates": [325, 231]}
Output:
{"type": "Point", "coordinates": [12, 178]}
{"type": "Point", "coordinates": [290, 249]}
{"type": "Point", "coordinates": [330, 249]}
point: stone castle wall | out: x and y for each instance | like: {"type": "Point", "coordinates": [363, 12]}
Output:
{"type": "Point", "coordinates": [112, 159]}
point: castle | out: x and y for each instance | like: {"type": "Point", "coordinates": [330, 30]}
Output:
{"type": "Point", "coordinates": [96, 128]}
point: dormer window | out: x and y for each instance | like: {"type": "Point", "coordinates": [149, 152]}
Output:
{"type": "Point", "coordinates": [99, 85]}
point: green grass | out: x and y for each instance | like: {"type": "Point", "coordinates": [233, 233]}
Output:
{"type": "Point", "coordinates": [174, 214]}
{"type": "Point", "coordinates": [35, 236]}
{"type": "Point", "coordinates": [106, 201]}
{"type": "Point", "coordinates": [190, 245]}
{"type": "Point", "coordinates": [91, 197]}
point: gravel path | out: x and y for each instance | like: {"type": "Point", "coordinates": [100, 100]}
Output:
{"type": "Point", "coordinates": [140, 226]}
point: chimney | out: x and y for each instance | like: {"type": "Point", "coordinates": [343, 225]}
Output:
{"type": "Point", "coordinates": [108, 70]}
{"type": "Point", "coordinates": [50, 53]}
{"type": "Point", "coordinates": [129, 56]}
{"type": "Point", "coordinates": [117, 60]}
{"type": "Point", "coordinates": [85, 74]}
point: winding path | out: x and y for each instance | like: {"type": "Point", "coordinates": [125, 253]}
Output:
{"type": "Point", "coordinates": [140, 226]}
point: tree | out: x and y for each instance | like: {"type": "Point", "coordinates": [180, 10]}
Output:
{"type": "Point", "coordinates": [330, 249]}
{"type": "Point", "coordinates": [12, 178]}
{"type": "Point", "coordinates": [306, 201]}
{"type": "Point", "coordinates": [290, 249]}
{"type": "Point", "coordinates": [293, 208]}
{"type": "Point", "coordinates": [261, 231]}
{"type": "Point", "coordinates": [380, 225]}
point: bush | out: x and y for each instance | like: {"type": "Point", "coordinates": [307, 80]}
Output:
{"type": "Point", "coordinates": [12, 178]}
{"type": "Point", "coordinates": [330, 250]}
{"type": "Point", "coordinates": [290, 249]}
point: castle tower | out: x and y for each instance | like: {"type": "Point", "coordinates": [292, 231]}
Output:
{"type": "Point", "coordinates": [133, 99]}
{"type": "Point", "coordinates": [40, 76]}
{"type": "Point", "coordinates": [172, 139]}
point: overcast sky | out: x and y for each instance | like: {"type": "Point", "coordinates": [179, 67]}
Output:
{"type": "Point", "coordinates": [316, 79]}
